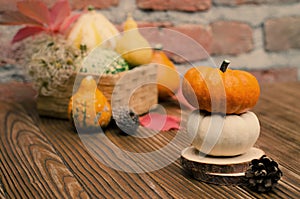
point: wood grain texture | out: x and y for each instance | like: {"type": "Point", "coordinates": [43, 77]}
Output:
{"type": "Point", "coordinates": [46, 158]}
{"type": "Point", "coordinates": [170, 181]}
{"type": "Point", "coordinates": [30, 166]}
{"type": "Point", "coordinates": [218, 170]}
{"type": "Point", "coordinates": [2, 192]}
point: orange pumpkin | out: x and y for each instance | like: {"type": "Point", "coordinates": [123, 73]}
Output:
{"type": "Point", "coordinates": [168, 80]}
{"type": "Point", "coordinates": [204, 85]}
{"type": "Point", "coordinates": [88, 107]}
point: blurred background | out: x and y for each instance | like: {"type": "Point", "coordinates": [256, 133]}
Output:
{"type": "Point", "coordinates": [261, 36]}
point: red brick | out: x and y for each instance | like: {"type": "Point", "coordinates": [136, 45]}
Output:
{"type": "Point", "coordinates": [11, 4]}
{"type": "Point", "coordinates": [240, 2]}
{"type": "Point", "coordinates": [231, 38]}
{"type": "Point", "coordinates": [201, 36]}
{"type": "Point", "coordinates": [76, 4]}
{"type": "Point", "coordinates": [184, 5]}
{"type": "Point", "coordinates": [286, 74]}
{"type": "Point", "coordinates": [79, 4]}
{"type": "Point", "coordinates": [188, 42]}
{"type": "Point", "coordinates": [282, 34]}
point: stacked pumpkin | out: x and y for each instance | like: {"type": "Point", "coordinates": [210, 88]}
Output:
{"type": "Point", "coordinates": [226, 94]}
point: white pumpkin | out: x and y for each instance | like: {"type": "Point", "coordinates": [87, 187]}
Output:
{"type": "Point", "coordinates": [91, 29]}
{"type": "Point", "coordinates": [219, 136]}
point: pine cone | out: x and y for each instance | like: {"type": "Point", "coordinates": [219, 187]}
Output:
{"type": "Point", "coordinates": [262, 174]}
{"type": "Point", "coordinates": [126, 119]}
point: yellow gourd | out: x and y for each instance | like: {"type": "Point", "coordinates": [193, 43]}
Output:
{"type": "Point", "coordinates": [88, 107]}
{"type": "Point", "coordinates": [133, 47]}
{"type": "Point", "coordinates": [91, 29]}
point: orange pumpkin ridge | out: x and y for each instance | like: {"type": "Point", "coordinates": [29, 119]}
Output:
{"type": "Point", "coordinates": [208, 84]}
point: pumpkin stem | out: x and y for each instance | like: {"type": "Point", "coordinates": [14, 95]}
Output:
{"type": "Point", "coordinates": [224, 65]}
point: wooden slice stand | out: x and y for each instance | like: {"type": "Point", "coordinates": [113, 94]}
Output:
{"type": "Point", "coordinates": [218, 170]}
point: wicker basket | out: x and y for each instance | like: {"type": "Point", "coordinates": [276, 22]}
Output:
{"type": "Point", "coordinates": [135, 88]}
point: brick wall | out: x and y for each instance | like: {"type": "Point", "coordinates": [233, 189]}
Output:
{"type": "Point", "coordinates": [262, 36]}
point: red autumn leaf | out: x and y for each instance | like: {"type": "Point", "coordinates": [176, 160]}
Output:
{"type": "Point", "coordinates": [38, 18]}
{"type": "Point", "coordinates": [36, 10]}
{"type": "Point", "coordinates": [26, 32]}
{"type": "Point", "coordinates": [67, 22]}
{"type": "Point", "coordinates": [59, 12]}
{"type": "Point", "coordinates": [16, 18]}
{"type": "Point", "coordinates": [160, 122]}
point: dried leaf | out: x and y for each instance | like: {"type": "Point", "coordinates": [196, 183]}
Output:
{"type": "Point", "coordinates": [161, 122]}
{"type": "Point", "coordinates": [36, 10]}
{"type": "Point", "coordinates": [68, 21]}
{"type": "Point", "coordinates": [26, 32]}
{"type": "Point", "coordinates": [16, 18]}
{"type": "Point", "coordinates": [59, 12]}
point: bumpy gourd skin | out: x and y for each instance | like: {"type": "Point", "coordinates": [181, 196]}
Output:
{"type": "Point", "coordinates": [88, 106]}
{"type": "Point", "coordinates": [92, 29]}
{"type": "Point", "coordinates": [213, 88]}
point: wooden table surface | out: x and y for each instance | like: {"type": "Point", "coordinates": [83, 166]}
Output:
{"type": "Point", "coordinates": [44, 158]}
